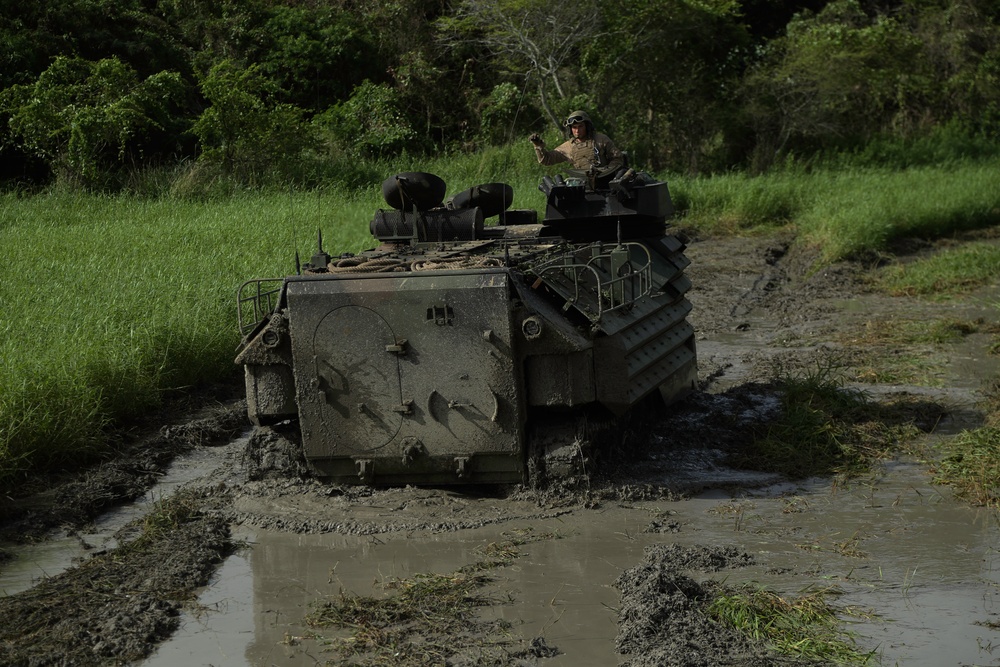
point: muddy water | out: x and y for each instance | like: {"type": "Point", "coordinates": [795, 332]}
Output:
{"type": "Point", "coordinates": [896, 546]}
{"type": "Point", "coordinates": [62, 550]}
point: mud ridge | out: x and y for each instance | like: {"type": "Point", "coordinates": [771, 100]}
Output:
{"type": "Point", "coordinates": [115, 607]}
{"type": "Point", "coordinates": [75, 501]}
{"type": "Point", "coordinates": [663, 621]}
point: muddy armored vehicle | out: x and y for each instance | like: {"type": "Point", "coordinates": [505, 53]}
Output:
{"type": "Point", "coordinates": [475, 344]}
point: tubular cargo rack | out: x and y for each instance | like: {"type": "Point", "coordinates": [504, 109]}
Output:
{"type": "Point", "coordinates": [256, 299]}
{"type": "Point", "coordinates": [608, 280]}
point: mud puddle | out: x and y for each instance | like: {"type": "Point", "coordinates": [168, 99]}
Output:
{"type": "Point", "coordinates": [895, 546]}
{"type": "Point", "coordinates": [63, 548]}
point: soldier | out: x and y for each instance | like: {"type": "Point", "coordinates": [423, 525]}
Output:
{"type": "Point", "coordinates": [588, 150]}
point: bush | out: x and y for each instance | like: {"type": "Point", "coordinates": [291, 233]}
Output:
{"type": "Point", "coordinates": [81, 117]}
{"type": "Point", "coordinates": [369, 124]}
{"type": "Point", "coordinates": [245, 134]}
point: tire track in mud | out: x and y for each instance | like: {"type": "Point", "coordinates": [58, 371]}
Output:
{"type": "Point", "coordinates": [74, 501]}
{"type": "Point", "coordinates": [771, 279]}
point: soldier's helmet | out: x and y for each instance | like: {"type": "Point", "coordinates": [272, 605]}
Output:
{"type": "Point", "coordinates": [577, 117]}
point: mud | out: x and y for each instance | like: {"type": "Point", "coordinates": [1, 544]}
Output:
{"type": "Point", "coordinates": [146, 449]}
{"type": "Point", "coordinates": [114, 607]}
{"type": "Point", "coordinates": [637, 551]}
{"type": "Point", "coordinates": [662, 621]}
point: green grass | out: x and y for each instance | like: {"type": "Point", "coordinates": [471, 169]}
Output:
{"type": "Point", "coordinates": [738, 203]}
{"type": "Point", "coordinates": [804, 627]}
{"type": "Point", "coordinates": [904, 351]}
{"type": "Point", "coordinates": [950, 272]}
{"type": "Point", "coordinates": [825, 428]}
{"type": "Point", "coordinates": [902, 332]}
{"type": "Point", "coordinates": [846, 213]}
{"type": "Point", "coordinates": [110, 303]}
{"type": "Point", "coordinates": [970, 461]}
{"type": "Point", "coordinates": [908, 367]}
{"type": "Point", "coordinates": [971, 464]}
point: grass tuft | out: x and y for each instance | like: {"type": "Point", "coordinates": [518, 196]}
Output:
{"type": "Point", "coordinates": [805, 627]}
{"type": "Point", "coordinates": [948, 273]}
{"type": "Point", "coordinates": [970, 461]}
{"type": "Point", "coordinates": [903, 351]}
{"type": "Point", "coordinates": [429, 619]}
{"type": "Point", "coordinates": [825, 428]}
{"type": "Point", "coordinates": [971, 465]}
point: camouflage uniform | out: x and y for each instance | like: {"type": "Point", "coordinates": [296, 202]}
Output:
{"type": "Point", "coordinates": [595, 151]}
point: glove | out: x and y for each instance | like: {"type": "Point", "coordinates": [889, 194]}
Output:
{"type": "Point", "coordinates": [536, 140]}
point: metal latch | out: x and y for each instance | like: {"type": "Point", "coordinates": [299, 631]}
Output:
{"type": "Point", "coordinates": [406, 408]}
{"type": "Point", "coordinates": [398, 348]}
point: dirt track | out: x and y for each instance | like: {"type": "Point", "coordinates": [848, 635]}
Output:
{"type": "Point", "coordinates": [757, 306]}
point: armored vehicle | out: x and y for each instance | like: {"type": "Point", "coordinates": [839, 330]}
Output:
{"type": "Point", "coordinates": [475, 344]}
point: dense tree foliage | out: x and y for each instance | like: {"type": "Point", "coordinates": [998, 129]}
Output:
{"type": "Point", "coordinates": [250, 88]}
{"type": "Point", "coordinates": [82, 117]}
{"type": "Point", "coordinates": [670, 70]}
{"type": "Point", "coordinates": [245, 131]}
{"type": "Point", "coordinates": [541, 41]}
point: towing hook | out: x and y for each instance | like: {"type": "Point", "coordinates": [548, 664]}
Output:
{"type": "Point", "coordinates": [412, 448]}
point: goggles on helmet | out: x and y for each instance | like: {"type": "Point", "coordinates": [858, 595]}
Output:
{"type": "Point", "coordinates": [573, 120]}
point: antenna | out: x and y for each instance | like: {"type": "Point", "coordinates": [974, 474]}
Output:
{"type": "Point", "coordinates": [292, 228]}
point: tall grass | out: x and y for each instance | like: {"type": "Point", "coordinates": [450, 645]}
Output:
{"type": "Point", "coordinates": [737, 203]}
{"type": "Point", "coordinates": [846, 213]}
{"type": "Point", "coordinates": [110, 303]}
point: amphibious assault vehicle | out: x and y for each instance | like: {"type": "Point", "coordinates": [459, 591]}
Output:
{"type": "Point", "coordinates": [462, 352]}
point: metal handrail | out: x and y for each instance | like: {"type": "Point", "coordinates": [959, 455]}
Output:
{"type": "Point", "coordinates": [612, 293]}
{"type": "Point", "coordinates": [255, 300]}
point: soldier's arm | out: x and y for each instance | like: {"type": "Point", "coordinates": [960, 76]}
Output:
{"type": "Point", "coordinates": [549, 157]}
